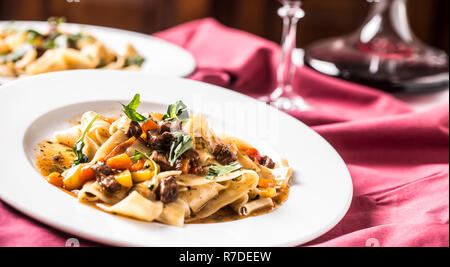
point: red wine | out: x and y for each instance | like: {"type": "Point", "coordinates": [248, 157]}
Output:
{"type": "Point", "coordinates": [383, 54]}
{"type": "Point", "coordinates": [382, 65]}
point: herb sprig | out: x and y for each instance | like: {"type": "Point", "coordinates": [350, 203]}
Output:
{"type": "Point", "coordinates": [134, 60]}
{"type": "Point", "coordinates": [177, 111]}
{"type": "Point", "coordinates": [219, 170]}
{"type": "Point", "coordinates": [182, 144]}
{"type": "Point", "coordinates": [139, 155]}
{"type": "Point", "coordinates": [130, 109]}
{"type": "Point", "coordinates": [79, 145]}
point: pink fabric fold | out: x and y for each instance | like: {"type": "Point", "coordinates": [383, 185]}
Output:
{"type": "Point", "coordinates": [398, 159]}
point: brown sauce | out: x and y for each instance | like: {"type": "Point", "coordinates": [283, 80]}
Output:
{"type": "Point", "coordinates": [53, 157]}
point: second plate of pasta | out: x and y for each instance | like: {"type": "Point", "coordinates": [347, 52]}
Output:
{"type": "Point", "coordinates": [152, 161]}
{"type": "Point", "coordinates": [31, 47]}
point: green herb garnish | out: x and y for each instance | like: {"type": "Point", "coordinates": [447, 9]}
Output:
{"type": "Point", "coordinates": [130, 109]}
{"type": "Point", "coordinates": [79, 145]}
{"type": "Point", "coordinates": [139, 155]}
{"type": "Point", "coordinates": [134, 60]}
{"type": "Point", "coordinates": [177, 111]}
{"type": "Point", "coordinates": [219, 170]}
{"type": "Point", "coordinates": [32, 35]}
{"type": "Point", "coordinates": [182, 144]}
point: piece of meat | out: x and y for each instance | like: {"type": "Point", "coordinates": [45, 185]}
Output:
{"type": "Point", "coordinates": [170, 126]}
{"type": "Point", "coordinates": [159, 142]}
{"type": "Point", "coordinates": [134, 130]}
{"type": "Point", "coordinates": [105, 177]}
{"type": "Point", "coordinates": [223, 154]}
{"type": "Point", "coordinates": [162, 160]}
{"type": "Point", "coordinates": [196, 170]}
{"type": "Point", "coordinates": [168, 190]}
{"type": "Point", "coordinates": [110, 184]}
{"type": "Point", "coordinates": [268, 162]}
{"type": "Point", "coordinates": [102, 169]}
{"type": "Point", "coordinates": [192, 156]}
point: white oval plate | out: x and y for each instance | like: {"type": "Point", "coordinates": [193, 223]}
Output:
{"type": "Point", "coordinates": [162, 58]}
{"type": "Point", "coordinates": [32, 108]}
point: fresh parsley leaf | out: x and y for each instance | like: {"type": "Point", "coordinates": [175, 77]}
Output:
{"type": "Point", "coordinates": [177, 111]}
{"type": "Point", "coordinates": [130, 109]}
{"type": "Point", "coordinates": [219, 170]}
{"type": "Point", "coordinates": [182, 144]}
{"type": "Point", "coordinates": [79, 145]}
{"type": "Point", "coordinates": [134, 60]}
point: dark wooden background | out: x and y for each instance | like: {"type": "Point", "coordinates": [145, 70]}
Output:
{"type": "Point", "coordinates": [325, 18]}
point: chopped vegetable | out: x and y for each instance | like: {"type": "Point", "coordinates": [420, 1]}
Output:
{"type": "Point", "coordinates": [177, 111]}
{"type": "Point", "coordinates": [120, 162]}
{"type": "Point", "coordinates": [219, 170]}
{"type": "Point", "coordinates": [121, 148]}
{"type": "Point", "coordinates": [185, 166]}
{"type": "Point", "coordinates": [124, 178]}
{"type": "Point", "coordinates": [182, 144]}
{"type": "Point", "coordinates": [269, 192]}
{"type": "Point", "coordinates": [130, 109]}
{"type": "Point", "coordinates": [139, 165]}
{"type": "Point", "coordinates": [142, 175]}
{"type": "Point", "coordinates": [266, 183]}
{"type": "Point", "coordinates": [148, 126]}
{"type": "Point", "coordinates": [33, 36]}
{"type": "Point", "coordinates": [86, 174]}
{"type": "Point", "coordinates": [253, 153]}
{"type": "Point", "coordinates": [72, 178]}
{"type": "Point", "coordinates": [55, 179]}
{"type": "Point", "coordinates": [79, 145]}
{"type": "Point", "coordinates": [138, 155]}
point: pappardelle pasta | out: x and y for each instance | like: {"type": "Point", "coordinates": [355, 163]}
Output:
{"type": "Point", "coordinates": [29, 52]}
{"type": "Point", "coordinates": [171, 168]}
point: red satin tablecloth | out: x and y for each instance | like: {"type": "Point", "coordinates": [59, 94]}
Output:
{"type": "Point", "coordinates": [398, 158]}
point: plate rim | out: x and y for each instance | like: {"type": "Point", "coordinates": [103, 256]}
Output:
{"type": "Point", "coordinates": [112, 241]}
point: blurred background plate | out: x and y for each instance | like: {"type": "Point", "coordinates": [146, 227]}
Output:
{"type": "Point", "coordinates": [162, 58]}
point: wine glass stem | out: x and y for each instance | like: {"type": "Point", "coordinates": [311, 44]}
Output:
{"type": "Point", "coordinates": [291, 13]}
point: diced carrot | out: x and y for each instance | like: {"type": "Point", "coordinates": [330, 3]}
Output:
{"type": "Point", "coordinates": [268, 192]}
{"type": "Point", "coordinates": [148, 126]}
{"type": "Point", "coordinates": [55, 179]}
{"type": "Point", "coordinates": [253, 153]}
{"type": "Point", "coordinates": [185, 166]}
{"type": "Point", "coordinates": [120, 162]}
{"type": "Point", "coordinates": [121, 148]}
{"type": "Point", "coordinates": [138, 165]}
{"type": "Point", "coordinates": [266, 183]}
{"type": "Point", "coordinates": [86, 174]}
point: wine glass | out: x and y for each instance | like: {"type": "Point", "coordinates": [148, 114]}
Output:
{"type": "Point", "coordinates": [283, 96]}
{"type": "Point", "coordinates": [384, 53]}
